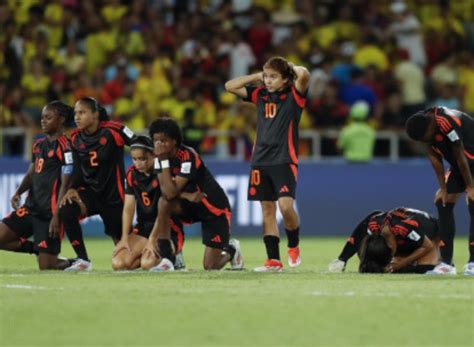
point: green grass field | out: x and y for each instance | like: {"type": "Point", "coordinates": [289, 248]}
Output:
{"type": "Point", "coordinates": [303, 306]}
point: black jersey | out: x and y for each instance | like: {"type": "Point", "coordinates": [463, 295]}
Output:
{"type": "Point", "coordinates": [410, 226]}
{"type": "Point", "coordinates": [146, 190]}
{"type": "Point", "coordinates": [453, 126]}
{"type": "Point", "coordinates": [48, 159]}
{"type": "Point", "coordinates": [100, 159]}
{"type": "Point", "coordinates": [187, 163]}
{"type": "Point", "coordinates": [278, 118]}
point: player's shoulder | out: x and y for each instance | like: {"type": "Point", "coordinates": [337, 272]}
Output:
{"type": "Point", "coordinates": [64, 143]}
{"type": "Point", "coordinates": [111, 124]}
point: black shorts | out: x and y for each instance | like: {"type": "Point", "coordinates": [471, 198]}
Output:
{"type": "Point", "coordinates": [269, 183]}
{"type": "Point", "coordinates": [177, 232]}
{"type": "Point", "coordinates": [215, 222]}
{"type": "Point", "coordinates": [111, 214]}
{"type": "Point", "coordinates": [454, 181]}
{"type": "Point", "coordinates": [22, 223]}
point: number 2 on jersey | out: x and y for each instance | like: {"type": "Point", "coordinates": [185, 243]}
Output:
{"type": "Point", "coordinates": [93, 158]}
{"type": "Point", "coordinates": [270, 109]}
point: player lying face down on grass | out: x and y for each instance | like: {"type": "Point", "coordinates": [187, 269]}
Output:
{"type": "Point", "coordinates": [401, 240]}
{"type": "Point", "coordinates": [449, 135]}
{"type": "Point", "coordinates": [142, 193]}
{"type": "Point", "coordinates": [180, 169]}
{"type": "Point", "coordinates": [98, 178]}
{"type": "Point", "coordinates": [279, 92]}
{"type": "Point", "coordinates": [45, 181]}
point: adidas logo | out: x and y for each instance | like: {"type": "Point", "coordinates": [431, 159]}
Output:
{"type": "Point", "coordinates": [216, 239]}
{"type": "Point", "coordinates": [43, 244]}
{"type": "Point", "coordinates": [75, 243]}
{"type": "Point", "coordinates": [284, 189]}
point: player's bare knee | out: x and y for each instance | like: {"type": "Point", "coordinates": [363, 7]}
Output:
{"type": "Point", "coordinates": [147, 263]}
{"type": "Point", "coordinates": [118, 264]}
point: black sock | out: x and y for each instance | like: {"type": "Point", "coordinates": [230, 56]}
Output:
{"type": "Point", "coordinates": [165, 249]}
{"type": "Point", "coordinates": [447, 230]}
{"type": "Point", "coordinates": [348, 251]}
{"type": "Point", "coordinates": [416, 269]}
{"type": "Point", "coordinates": [27, 247]}
{"type": "Point", "coordinates": [69, 215]}
{"type": "Point", "coordinates": [293, 237]}
{"type": "Point", "coordinates": [272, 246]}
{"type": "Point", "coordinates": [231, 250]}
{"type": "Point", "coordinates": [471, 231]}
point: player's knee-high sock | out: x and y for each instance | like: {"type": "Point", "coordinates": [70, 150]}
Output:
{"type": "Point", "coordinates": [447, 230]}
{"type": "Point", "coordinates": [293, 237]}
{"type": "Point", "coordinates": [165, 249]}
{"type": "Point", "coordinates": [272, 244]}
{"type": "Point", "coordinates": [69, 215]}
{"type": "Point", "coordinates": [471, 231]}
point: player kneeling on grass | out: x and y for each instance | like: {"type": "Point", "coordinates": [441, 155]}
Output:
{"type": "Point", "coordinates": [181, 169]}
{"type": "Point", "coordinates": [45, 180]}
{"type": "Point", "coordinates": [143, 191]}
{"type": "Point", "coordinates": [401, 240]}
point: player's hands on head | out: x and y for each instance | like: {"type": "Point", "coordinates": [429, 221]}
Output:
{"type": "Point", "coordinates": [15, 201]}
{"type": "Point", "coordinates": [122, 244]}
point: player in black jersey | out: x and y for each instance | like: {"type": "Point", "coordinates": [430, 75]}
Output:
{"type": "Point", "coordinates": [98, 181]}
{"type": "Point", "coordinates": [142, 192]}
{"type": "Point", "coordinates": [400, 240]}
{"type": "Point", "coordinates": [180, 169]}
{"type": "Point", "coordinates": [449, 134]}
{"type": "Point", "coordinates": [45, 181]}
{"type": "Point", "coordinates": [274, 169]}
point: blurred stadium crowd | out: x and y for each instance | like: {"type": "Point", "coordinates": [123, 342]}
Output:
{"type": "Point", "coordinates": [145, 58]}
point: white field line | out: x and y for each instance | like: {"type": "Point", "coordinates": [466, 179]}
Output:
{"type": "Point", "coordinates": [393, 295]}
{"type": "Point", "coordinates": [21, 286]}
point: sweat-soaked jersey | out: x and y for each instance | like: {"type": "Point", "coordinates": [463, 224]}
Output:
{"type": "Point", "coordinates": [453, 126]}
{"type": "Point", "coordinates": [100, 160]}
{"type": "Point", "coordinates": [48, 159]}
{"type": "Point", "coordinates": [278, 118]}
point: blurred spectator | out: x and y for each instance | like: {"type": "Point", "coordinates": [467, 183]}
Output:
{"type": "Point", "coordinates": [357, 90]}
{"type": "Point", "coordinates": [328, 110]}
{"type": "Point", "coordinates": [357, 139]}
{"type": "Point", "coordinates": [466, 81]}
{"type": "Point", "coordinates": [35, 84]}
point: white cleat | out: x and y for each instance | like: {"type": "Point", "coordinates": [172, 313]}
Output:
{"type": "Point", "coordinates": [442, 269]}
{"type": "Point", "coordinates": [337, 266]}
{"type": "Point", "coordinates": [294, 258]}
{"type": "Point", "coordinates": [80, 265]}
{"type": "Point", "coordinates": [237, 262]}
{"type": "Point", "coordinates": [271, 265]}
{"type": "Point", "coordinates": [165, 265]}
{"type": "Point", "coordinates": [179, 264]}
{"type": "Point", "coordinates": [469, 269]}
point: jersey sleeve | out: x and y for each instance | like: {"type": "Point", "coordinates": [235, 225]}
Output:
{"type": "Point", "coordinates": [252, 94]}
{"type": "Point", "coordinates": [121, 133]}
{"type": "Point", "coordinates": [129, 182]}
{"type": "Point", "coordinates": [448, 124]}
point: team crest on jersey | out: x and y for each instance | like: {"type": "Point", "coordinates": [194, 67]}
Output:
{"type": "Point", "coordinates": [82, 146]}
{"type": "Point", "coordinates": [439, 138]}
{"type": "Point", "coordinates": [50, 154]}
{"type": "Point", "coordinates": [103, 140]}
{"type": "Point", "coordinates": [154, 183]}
{"type": "Point", "coordinates": [175, 171]}
{"type": "Point", "coordinates": [283, 96]}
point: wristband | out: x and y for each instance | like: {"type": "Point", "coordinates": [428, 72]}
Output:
{"type": "Point", "coordinates": [165, 164]}
{"type": "Point", "coordinates": [157, 165]}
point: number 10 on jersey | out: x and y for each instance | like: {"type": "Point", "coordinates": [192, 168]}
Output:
{"type": "Point", "coordinates": [270, 109]}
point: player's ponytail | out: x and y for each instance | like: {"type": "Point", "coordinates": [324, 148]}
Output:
{"type": "Point", "coordinates": [95, 107]}
{"type": "Point", "coordinates": [375, 254]}
{"type": "Point", "coordinates": [62, 109]}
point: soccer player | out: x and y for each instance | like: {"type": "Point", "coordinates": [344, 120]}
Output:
{"type": "Point", "coordinates": [399, 240]}
{"type": "Point", "coordinates": [181, 169]}
{"type": "Point", "coordinates": [97, 182]}
{"type": "Point", "coordinates": [45, 181]}
{"type": "Point", "coordinates": [274, 168]}
{"type": "Point", "coordinates": [142, 192]}
{"type": "Point", "coordinates": [449, 134]}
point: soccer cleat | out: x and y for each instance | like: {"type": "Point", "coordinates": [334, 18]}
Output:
{"type": "Point", "coordinates": [469, 269]}
{"type": "Point", "coordinates": [165, 265]}
{"type": "Point", "coordinates": [337, 266]}
{"type": "Point", "coordinates": [179, 263]}
{"type": "Point", "coordinates": [294, 258]}
{"type": "Point", "coordinates": [271, 265]}
{"type": "Point", "coordinates": [442, 269]}
{"type": "Point", "coordinates": [80, 265]}
{"type": "Point", "coordinates": [237, 262]}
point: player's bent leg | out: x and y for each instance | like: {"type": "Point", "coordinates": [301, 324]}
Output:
{"type": "Point", "coordinates": [9, 240]}
{"type": "Point", "coordinates": [48, 261]}
{"type": "Point", "coordinates": [69, 215]}
{"type": "Point", "coordinates": [214, 258]}
{"type": "Point", "coordinates": [131, 260]}
{"type": "Point", "coordinates": [149, 261]}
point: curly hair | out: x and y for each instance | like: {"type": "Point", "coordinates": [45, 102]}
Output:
{"type": "Point", "coordinates": [167, 126]}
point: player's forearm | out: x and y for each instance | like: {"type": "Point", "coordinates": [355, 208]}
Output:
{"type": "Point", "coordinates": [168, 188]}
{"type": "Point", "coordinates": [26, 181]}
{"type": "Point", "coordinates": [438, 168]}
{"type": "Point", "coordinates": [417, 254]}
{"type": "Point", "coordinates": [301, 72]}
{"type": "Point", "coordinates": [464, 168]}
{"type": "Point", "coordinates": [240, 82]}
{"type": "Point", "coordinates": [65, 185]}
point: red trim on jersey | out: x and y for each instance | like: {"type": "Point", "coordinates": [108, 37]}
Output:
{"type": "Point", "coordinates": [469, 155]}
{"type": "Point", "coordinates": [129, 175]}
{"type": "Point", "coordinates": [59, 153]}
{"type": "Point", "coordinates": [254, 96]}
{"type": "Point", "coordinates": [119, 183]}
{"type": "Point", "coordinates": [443, 124]}
{"type": "Point", "coordinates": [300, 100]}
{"type": "Point", "coordinates": [61, 232]}
{"type": "Point", "coordinates": [111, 124]}
{"type": "Point", "coordinates": [179, 233]}
{"type": "Point", "coordinates": [117, 137]}
{"type": "Point", "coordinates": [217, 211]}
{"type": "Point", "coordinates": [411, 222]}
{"type": "Point", "coordinates": [294, 169]}
{"type": "Point", "coordinates": [291, 146]}
{"type": "Point", "coordinates": [456, 120]}
{"type": "Point", "coordinates": [197, 159]}
{"type": "Point", "coordinates": [54, 198]}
